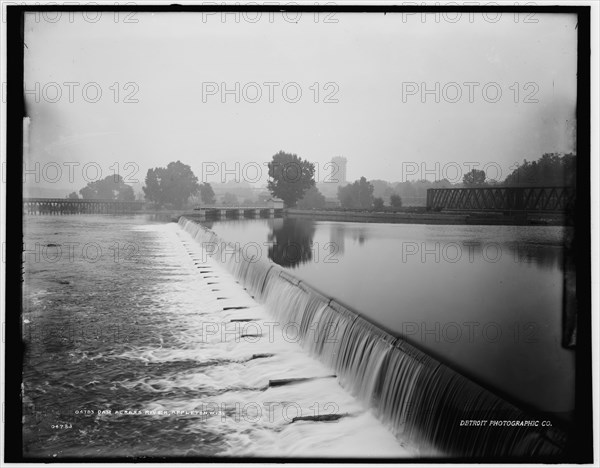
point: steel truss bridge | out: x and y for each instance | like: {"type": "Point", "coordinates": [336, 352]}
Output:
{"type": "Point", "coordinates": [504, 199]}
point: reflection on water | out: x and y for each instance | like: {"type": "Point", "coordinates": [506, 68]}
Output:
{"type": "Point", "coordinates": [486, 299]}
{"type": "Point", "coordinates": [546, 255]}
{"type": "Point", "coordinates": [339, 232]}
{"type": "Point", "coordinates": [549, 257]}
{"type": "Point", "coordinates": [291, 241]}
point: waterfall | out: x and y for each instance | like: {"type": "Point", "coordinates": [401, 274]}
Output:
{"type": "Point", "coordinates": [420, 399]}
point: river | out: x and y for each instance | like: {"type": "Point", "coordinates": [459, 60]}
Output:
{"type": "Point", "coordinates": [123, 359]}
{"type": "Point", "coordinates": [487, 300]}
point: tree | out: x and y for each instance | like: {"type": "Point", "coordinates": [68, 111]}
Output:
{"type": "Point", "coordinates": [550, 169]}
{"type": "Point", "coordinates": [230, 199]}
{"type": "Point", "coordinates": [73, 196]}
{"type": "Point", "coordinates": [396, 201]}
{"type": "Point", "coordinates": [356, 195]}
{"type": "Point", "coordinates": [381, 188]}
{"type": "Point", "coordinates": [262, 198]}
{"type": "Point", "coordinates": [152, 190]}
{"type": "Point", "coordinates": [207, 194]}
{"type": "Point", "coordinates": [110, 188]}
{"type": "Point", "coordinates": [290, 177]}
{"type": "Point", "coordinates": [443, 183]}
{"type": "Point", "coordinates": [378, 203]}
{"type": "Point", "coordinates": [313, 198]}
{"type": "Point", "coordinates": [406, 189]}
{"type": "Point", "coordinates": [473, 178]}
{"type": "Point", "coordinates": [172, 185]}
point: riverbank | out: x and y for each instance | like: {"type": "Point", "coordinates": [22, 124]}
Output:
{"type": "Point", "coordinates": [422, 216]}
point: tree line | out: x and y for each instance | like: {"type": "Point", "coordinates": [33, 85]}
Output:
{"type": "Point", "coordinates": [292, 179]}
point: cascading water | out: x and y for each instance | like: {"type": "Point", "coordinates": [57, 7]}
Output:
{"type": "Point", "coordinates": [422, 400]}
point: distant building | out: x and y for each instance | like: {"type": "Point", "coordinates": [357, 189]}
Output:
{"type": "Point", "coordinates": [338, 172]}
{"type": "Point", "coordinates": [275, 203]}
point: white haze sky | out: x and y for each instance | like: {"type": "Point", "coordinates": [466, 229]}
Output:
{"type": "Point", "coordinates": [368, 56]}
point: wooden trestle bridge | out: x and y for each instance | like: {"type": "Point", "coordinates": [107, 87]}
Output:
{"type": "Point", "coordinates": [66, 206]}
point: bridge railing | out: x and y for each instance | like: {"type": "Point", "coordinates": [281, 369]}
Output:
{"type": "Point", "coordinates": [77, 206]}
{"type": "Point", "coordinates": [505, 199]}
{"type": "Point", "coordinates": [80, 200]}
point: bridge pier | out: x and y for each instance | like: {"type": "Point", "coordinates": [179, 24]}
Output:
{"type": "Point", "coordinates": [236, 212]}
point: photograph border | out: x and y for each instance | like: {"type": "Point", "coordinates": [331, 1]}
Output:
{"type": "Point", "coordinates": [580, 448]}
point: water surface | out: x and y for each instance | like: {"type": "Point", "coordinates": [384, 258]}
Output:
{"type": "Point", "coordinates": [485, 299]}
{"type": "Point", "coordinates": [119, 360]}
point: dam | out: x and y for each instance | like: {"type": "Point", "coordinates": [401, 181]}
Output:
{"type": "Point", "coordinates": [422, 400]}
{"type": "Point", "coordinates": [211, 348]}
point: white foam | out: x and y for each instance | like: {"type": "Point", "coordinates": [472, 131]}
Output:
{"type": "Point", "coordinates": [238, 382]}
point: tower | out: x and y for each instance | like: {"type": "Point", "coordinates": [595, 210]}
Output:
{"type": "Point", "coordinates": [338, 171]}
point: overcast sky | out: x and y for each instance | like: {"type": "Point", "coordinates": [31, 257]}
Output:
{"type": "Point", "coordinates": [375, 65]}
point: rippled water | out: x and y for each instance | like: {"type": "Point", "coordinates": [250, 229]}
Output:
{"type": "Point", "coordinates": [122, 317]}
